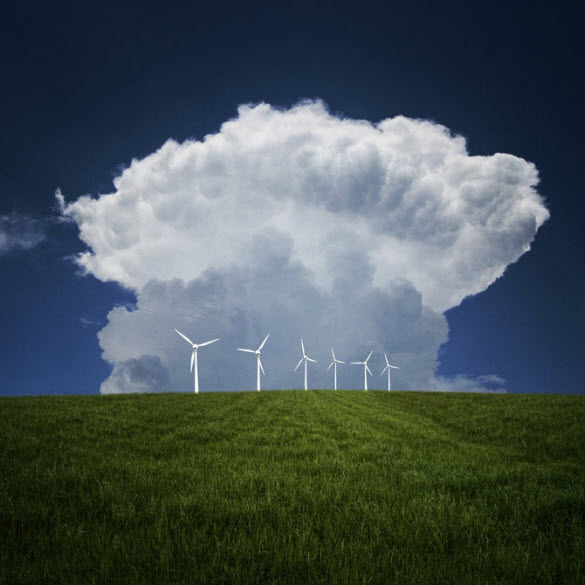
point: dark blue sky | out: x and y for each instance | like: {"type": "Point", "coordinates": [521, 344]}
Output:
{"type": "Point", "coordinates": [88, 87]}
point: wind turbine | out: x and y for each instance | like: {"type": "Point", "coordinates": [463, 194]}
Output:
{"type": "Point", "coordinates": [366, 369]}
{"type": "Point", "coordinates": [304, 359]}
{"type": "Point", "coordinates": [388, 367]}
{"type": "Point", "coordinates": [258, 362]}
{"type": "Point", "coordinates": [334, 364]}
{"type": "Point", "coordinates": [195, 347]}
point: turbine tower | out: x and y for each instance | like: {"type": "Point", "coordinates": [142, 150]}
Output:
{"type": "Point", "coordinates": [195, 347]}
{"type": "Point", "coordinates": [388, 367]}
{"type": "Point", "coordinates": [334, 364]}
{"type": "Point", "coordinates": [258, 362]}
{"type": "Point", "coordinates": [366, 369]}
{"type": "Point", "coordinates": [304, 359]}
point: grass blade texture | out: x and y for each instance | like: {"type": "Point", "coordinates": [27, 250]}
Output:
{"type": "Point", "coordinates": [293, 487]}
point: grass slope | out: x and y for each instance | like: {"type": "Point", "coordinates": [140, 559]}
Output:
{"type": "Point", "coordinates": [293, 487]}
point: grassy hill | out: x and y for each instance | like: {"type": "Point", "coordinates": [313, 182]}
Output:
{"type": "Point", "coordinates": [293, 487]}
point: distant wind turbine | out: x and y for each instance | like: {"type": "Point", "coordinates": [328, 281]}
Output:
{"type": "Point", "coordinates": [366, 369]}
{"type": "Point", "coordinates": [334, 364]}
{"type": "Point", "coordinates": [195, 347]}
{"type": "Point", "coordinates": [387, 368]}
{"type": "Point", "coordinates": [258, 362]}
{"type": "Point", "coordinates": [304, 359]}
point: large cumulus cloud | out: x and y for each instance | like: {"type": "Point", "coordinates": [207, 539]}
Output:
{"type": "Point", "coordinates": [299, 222]}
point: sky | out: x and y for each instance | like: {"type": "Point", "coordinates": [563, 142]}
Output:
{"type": "Point", "coordinates": [402, 177]}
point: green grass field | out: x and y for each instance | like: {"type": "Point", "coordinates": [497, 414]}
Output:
{"type": "Point", "coordinates": [293, 487]}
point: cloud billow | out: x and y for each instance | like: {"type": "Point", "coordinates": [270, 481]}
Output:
{"type": "Point", "coordinates": [132, 376]}
{"type": "Point", "coordinates": [298, 222]}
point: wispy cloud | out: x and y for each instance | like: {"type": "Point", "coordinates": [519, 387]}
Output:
{"type": "Point", "coordinates": [19, 232]}
{"type": "Point", "coordinates": [487, 383]}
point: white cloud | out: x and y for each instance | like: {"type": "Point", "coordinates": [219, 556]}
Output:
{"type": "Point", "coordinates": [277, 296]}
{"type": "Point", "coordinates": [299, 221]}
{"type": "Point", "coordinates": [146, 374]}
{"type": "Point", "coordinates": [18, 232]}
{"type": "Point", "coordinates": [490, 383]}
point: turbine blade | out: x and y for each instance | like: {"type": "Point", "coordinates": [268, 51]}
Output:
{"type": "Point", "coordinates": [261, 367]}
{"type": "Point", "coordinates": [300, 362]}
{"type": "Point", "coordinates": [192, 360]}
{"type": "Point", "coordinates": [246, 350]}
{"type": "Point", "coordinates": [184, 337]}
{"type": "Point", "coordinates": [314, 361]}
{"type": "Point", "coordinates": [386, 358]}
{"type": "Point", "coordinates": [208, 342]}
{"type": "Point", "coordinates": [382, 372]}
{"type": "Point", "coordinates": [340, 362]}
{"type": "Point", "coordinates": [330, 366]}
{"type": "Point", "coordinates": [369, 356]}
{"type": "Point", "coordinates": [368, 370]}
{"type": "Point", "coordinates": [356, 363]}
{"type": "Point", "coordinates": [395, 367]}
{"type": "Point", "coordinates": [262, 344]}
{"type": "Point", "coordinates": [303, 347]}
{"type": "Point", "coordinates": [333, 354]}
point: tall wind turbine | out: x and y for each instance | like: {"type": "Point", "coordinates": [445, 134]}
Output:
{"type": "Point", "coordinates": [366, 369]}
{"type": "Point", "coordinates": [195, 347]}
{"type": "Point", "coordinates": [334, 364]}
{"type": "Point", "coordinates": [258, 362]}
{"type": "Point", "coordinates": [304, 359]}
{"type": "Point", "coordinates": [388, 367]}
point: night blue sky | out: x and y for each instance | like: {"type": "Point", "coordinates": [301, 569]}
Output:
{"type": "Point", "coordinates": [87, 88]}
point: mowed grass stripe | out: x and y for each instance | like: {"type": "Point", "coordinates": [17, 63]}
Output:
{"type": "Point", "coordinates": [284, 487]}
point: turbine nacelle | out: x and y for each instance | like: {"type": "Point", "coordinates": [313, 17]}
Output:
{"type": "Point", "coordinates": [195, 347]}
{"type": "Point", "coordinates": [304, 359]}
{"type": "Point", "coordinates": [388, 368]}
{"type": "Point", "coordinates": [257, 353]}
{"type": "Point", "coordinates": [364, 363]}
{"type": "Point", "coordinates": [388, 365]}
{"type": "Point", "coordinates": [334, 364]}
{"type": "Point", "coordinates": [335, 360]}
{"type": "Point", "coordinates": [366, 369]}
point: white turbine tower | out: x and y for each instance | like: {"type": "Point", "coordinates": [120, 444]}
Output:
{"type": "Point", "coordinates": [195, 347]}
{"type": "Point", "coordinates": [258, 362]}
{"type": "Point", "coordinates": [366, 369]}
{"type": "Point", "coordinates": [334, 364]}
{"type": "Point", "coordinates": [304, 359]}
{"type": "Point", "coordinates": [388, 367]}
